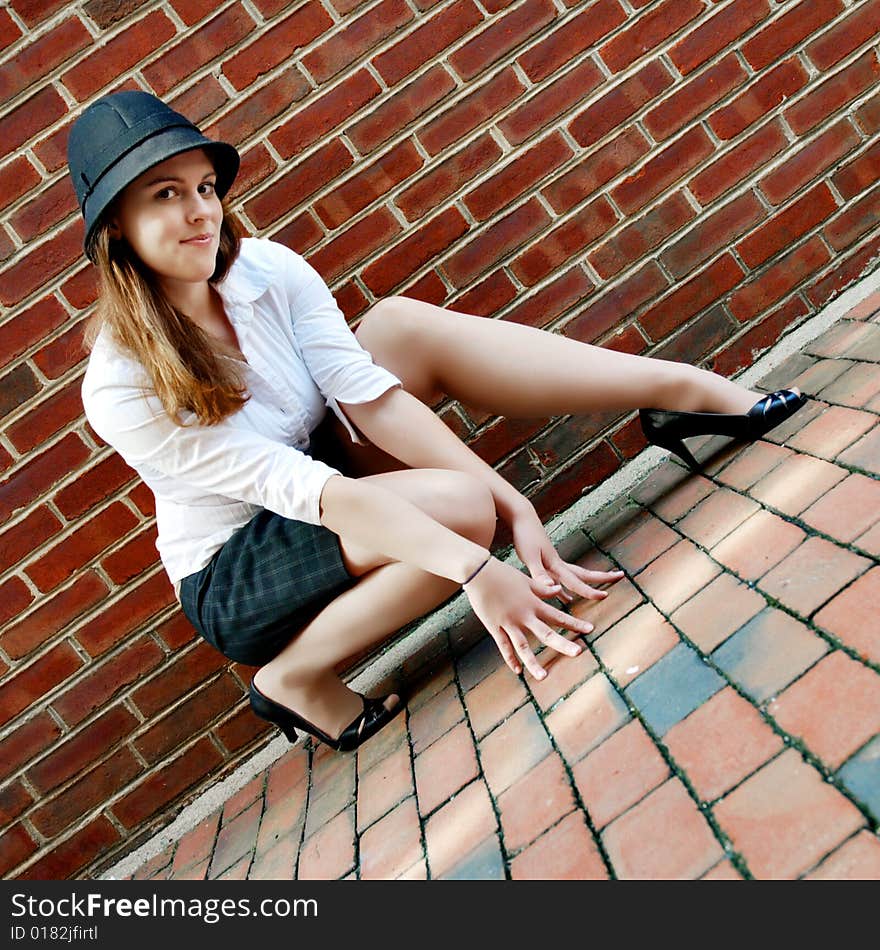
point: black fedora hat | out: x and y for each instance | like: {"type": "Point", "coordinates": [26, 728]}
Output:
{"type": "Point", "coordinates": [119, 137]}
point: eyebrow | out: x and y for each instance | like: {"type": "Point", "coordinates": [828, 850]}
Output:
{"type": "Point", "coordinates": [164, 178]}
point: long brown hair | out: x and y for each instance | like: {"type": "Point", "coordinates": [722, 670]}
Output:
{"type": "Point", "coordinates": [185, 369]}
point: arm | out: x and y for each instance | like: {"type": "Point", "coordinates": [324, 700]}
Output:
{"type": "Point", "coordinates": [407, 429]}
{"type": "Point", "coordinates": [378, 519]}
{"type": "Point", "coordinates": [502, 597]}
{"type": "Point", "coordinates": [228, 459]}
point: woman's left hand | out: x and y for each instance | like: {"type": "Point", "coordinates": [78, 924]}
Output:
{"type": "Point", "coordinates": [549, 571]}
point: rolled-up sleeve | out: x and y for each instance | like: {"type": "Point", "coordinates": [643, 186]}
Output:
{"type": "Point", "coordinates": [224, 459]}
{"type": "Point", "coordinates": [342, 369]}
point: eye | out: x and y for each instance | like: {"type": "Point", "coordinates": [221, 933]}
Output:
{"type": "Point", "coordinates": [207, 188]}
{"type": "Point", "coordinates": [164, 193]}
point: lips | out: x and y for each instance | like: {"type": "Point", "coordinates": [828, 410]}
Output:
{"type": "Point", "coordinates": [199, 239]}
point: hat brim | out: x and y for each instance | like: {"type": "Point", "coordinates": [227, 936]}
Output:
{"type": "Point", "coordinates": [145, 155]}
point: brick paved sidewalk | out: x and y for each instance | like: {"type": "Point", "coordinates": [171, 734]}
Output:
{"type": "Point", "coordinates": [724, 722]}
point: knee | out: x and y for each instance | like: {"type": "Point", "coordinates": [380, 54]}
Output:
{"type": "Point", "coordinates": [390, 321]}
{"type": "Point", "coordinates": [396, 333]}
{"type": "Point", "coordinates": [471, 507]}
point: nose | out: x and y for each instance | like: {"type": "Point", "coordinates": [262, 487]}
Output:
{"type": "Point", "coordinates": [199, 206]}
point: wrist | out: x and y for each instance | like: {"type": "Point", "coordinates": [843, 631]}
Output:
{"type": "Point", "coordinates": [476, 572]}
{"type": "Point", "coordinates": [473, 566]}
{"type": "Point", "coordinates": [512, 506]}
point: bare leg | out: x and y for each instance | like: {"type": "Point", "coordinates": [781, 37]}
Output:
{"type": "Point", "coordinates": [303, 676]}
{"type": "Point", "coordinates": [498, 366]}
{"type": "Point", "coordinates": [521, 371]}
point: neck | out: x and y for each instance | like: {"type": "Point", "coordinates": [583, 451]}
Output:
{"type": "Point", "coordinates": [197, 301]}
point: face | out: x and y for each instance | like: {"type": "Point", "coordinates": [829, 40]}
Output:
{"type": "Point", "coordinates": [171, 216]}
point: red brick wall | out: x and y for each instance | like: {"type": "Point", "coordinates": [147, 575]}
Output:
{"type": "Point", "coordinates": [682, 178]}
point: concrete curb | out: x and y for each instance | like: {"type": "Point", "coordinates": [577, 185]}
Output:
{"type": "Point", "coordinates": [421, 636]}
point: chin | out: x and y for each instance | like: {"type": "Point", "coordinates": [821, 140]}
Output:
{"type": "Point", "coordinates": [197, 271]}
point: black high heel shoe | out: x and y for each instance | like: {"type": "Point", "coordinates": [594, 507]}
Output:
{"type": "Point", "coordinates": [367, 724]}
{"type": "Point", "coordinates": [667, 428]}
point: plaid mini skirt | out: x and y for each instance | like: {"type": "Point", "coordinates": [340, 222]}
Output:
{"type": "Point", "coordinates": [266, 583]}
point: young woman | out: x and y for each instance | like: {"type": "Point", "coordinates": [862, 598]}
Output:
{"type": "Point", "coordinates": [213, 362]}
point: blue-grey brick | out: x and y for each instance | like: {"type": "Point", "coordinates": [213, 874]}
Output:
{"type": "Point", "coordinates": [673, 688]}
{"type": "Point", "coordinates": [484, 863]}
{"type": "Point", "coordinates": [861, 775]}
{"type": "Point", "coordinates": [768, 653]}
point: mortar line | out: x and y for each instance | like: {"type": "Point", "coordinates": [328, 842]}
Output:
{"type": "Point", "coordinates": [788, 739]}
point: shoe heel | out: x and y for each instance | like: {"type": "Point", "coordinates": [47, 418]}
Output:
{"type": "Point", "coordinates": [663, 429]}
{"type": "Point", "coordinates": [682, 451]}
{"type": "Point", "coordinates": [285, 718]}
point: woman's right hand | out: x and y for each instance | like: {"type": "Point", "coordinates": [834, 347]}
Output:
{"type": "Point", "coordinates": [509, 604]}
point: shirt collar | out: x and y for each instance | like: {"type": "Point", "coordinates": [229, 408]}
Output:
{"type": "Point", "coordinates": [248, 277]}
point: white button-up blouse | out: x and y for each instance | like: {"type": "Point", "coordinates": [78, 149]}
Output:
{"type": "Point", "coordinates": [210, 480]}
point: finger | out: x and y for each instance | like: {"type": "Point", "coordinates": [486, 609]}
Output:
{"type": "Point", "coordinates": [564, 646]}
{"type": "Point", "coordinates": [575, 584]}
{"type": "Point", "coordinates": [550, 638]}
{"type": "Point", "coordinates": [588, 578]}
{"type": "Point", "coordinates": [598, 577]}
{"type": "Point", "coordinates": [508, 654]}
{"type": "Point", "coordinates": [542, 582]}
{"type": "Point", "coordinates": [549, 562]}
{"type": "Point", "coordinates": [567, 575]}
{"type": "Point", "coordinates": [524, 651]}
{"type": "Point", "coordinates": [561, 619]}
{"type": "Point", "coordinates": [545, 591]}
